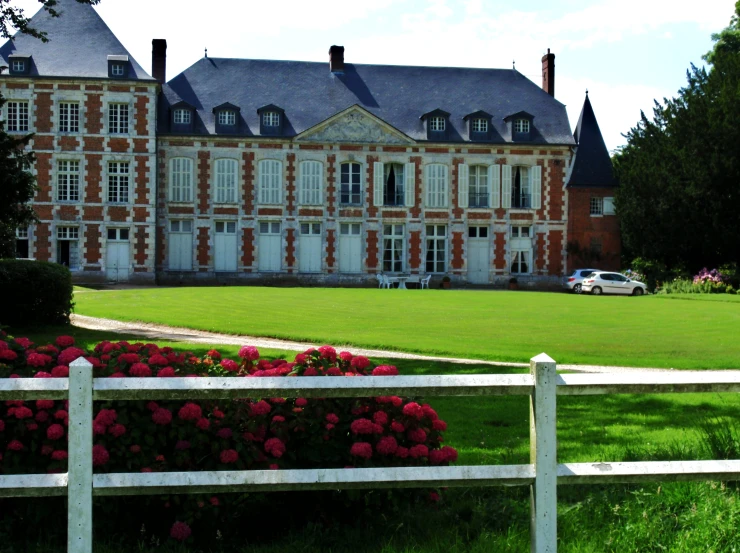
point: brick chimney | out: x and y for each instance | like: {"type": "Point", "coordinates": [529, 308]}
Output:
{"type": "Point", "coordinates": [159, 59]}
{"type": "Point", "coordinates": [336, 59]}
{"type": "Point", "coordinates": [548, 73]}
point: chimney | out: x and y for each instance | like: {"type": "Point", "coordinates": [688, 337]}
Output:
{"type": "Point", "coordinates": [159, 59]}
{"type": "Point", "coordinates": [548, 73]}
{"type": "Point", "coordinates": [336, 59]}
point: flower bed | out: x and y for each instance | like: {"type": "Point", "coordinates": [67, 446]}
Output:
{"type": "Point", "coordinates": [242, 434]}
{"type": "Point", "coordinates": [705, 282]}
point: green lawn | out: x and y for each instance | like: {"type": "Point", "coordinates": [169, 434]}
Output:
{"type": "Point", "coordinates": [674, 517]}
{"type": "Point", "coordinates": [686, 332]}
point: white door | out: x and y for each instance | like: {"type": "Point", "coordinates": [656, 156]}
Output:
{"type": "Point", "coordinates": [270, 247]}
{"type": "Point", "coordinates": [225, 243]}
{"type": "Point", "coordinates": [478, 256]}
{"type": "Point", "coordinates": [309, 248]}
{"type": "Point", "coordinates": [350, 248]}
{"type": "Point", "coordinates": [181, 246]}
{"type": "Point", "coordinates": [117, 255]}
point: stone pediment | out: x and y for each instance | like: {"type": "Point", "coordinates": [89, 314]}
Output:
{"type": "Point", "coordinates": [354, 124]}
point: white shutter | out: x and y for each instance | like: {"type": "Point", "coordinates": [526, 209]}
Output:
{"type": "Point", "coordinates": [535, 186]}
{"type": "Point", "coordinates": [409, 184]}
{"type": "Point", "coordinates": [302, 184]}
{"type": "Point", "coordinates": [609, 206]}
{"type": "Point", "coordinates": [506, 186]}
{"type": "Point", "coordinates": [378, 174]}
{"type": "Point", "coordinates": [494, 176]}
{"type": "Point", "coordinates": [444, 191]}
{"type": "Point", "coordinates": [463, 173]}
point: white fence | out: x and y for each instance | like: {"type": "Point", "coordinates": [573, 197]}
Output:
{"type": "Point", "coordinates": [543, 474]}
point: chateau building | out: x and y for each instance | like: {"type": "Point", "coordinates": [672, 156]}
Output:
{"type": "Point", "coordinates": [255, 171]}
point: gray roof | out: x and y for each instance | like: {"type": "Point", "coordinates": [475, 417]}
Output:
{"type": "Point", "coordinates": [592, 166]}
{"type": "Point", "coordinates": [79, 45]}
{"type": "Point", "coordinates": [309, 93]}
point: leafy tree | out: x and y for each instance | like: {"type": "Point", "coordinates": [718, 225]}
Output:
{"type": "Point", "coordinates": [679, 195]}
{"type": "Point", "coordinates": [17, 184]}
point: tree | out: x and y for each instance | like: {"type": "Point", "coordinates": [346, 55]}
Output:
{"type": "Point", "coordinates": [17, 184]}
{"type": "Point", "coordinates": [679, 173]}
{"type": "Point", "coordinates": [11, 16]}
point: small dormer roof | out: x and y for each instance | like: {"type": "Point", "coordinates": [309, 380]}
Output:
{"type": "Point", "coordinates": [270, 107]}
{"type": "Point", "coordinates": [519, 115]}
{"type": "Point", "coordinates": [227, 106]}
{"type": "Point", "coordinates": [434, 113]}
{"type": "Point", "coordinates": [182, 104]}
{"type": "Point", "coordinates": [480, 114]}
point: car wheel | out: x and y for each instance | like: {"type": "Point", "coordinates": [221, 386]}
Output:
{"type": "Point", "coordinates": [596, 290]}
{"type": "Point", "coordinates": [638, 291]}
{"type": "Point", "coordinates": [578, 288]}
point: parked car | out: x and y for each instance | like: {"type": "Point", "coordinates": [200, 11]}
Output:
{"type": "Point", "coordinates": [574, 280]}
{"type": "Point", "coordinates": [602, 282]}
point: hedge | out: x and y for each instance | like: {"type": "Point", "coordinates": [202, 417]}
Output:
{"type": "Point", "coordinates": [34, 293]}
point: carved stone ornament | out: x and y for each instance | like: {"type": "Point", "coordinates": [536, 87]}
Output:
{"type": "Point", "coordinates": [355, 127]}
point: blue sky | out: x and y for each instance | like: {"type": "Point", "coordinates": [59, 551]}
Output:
{"type": "Point", "coordinates": [626, 52]}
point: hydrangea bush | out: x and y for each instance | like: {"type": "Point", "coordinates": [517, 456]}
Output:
{"type": "Point", "coordinates": [704, 282]}
{"type": "Point", "coordinates": [241, 434]}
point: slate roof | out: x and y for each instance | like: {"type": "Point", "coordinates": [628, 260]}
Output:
{"type": "Point", "coordinates": [592, 166]}
{"type": "Point", "coordinates": [79, 45]}
{"type": "Point", "coordinates": [309, 93]}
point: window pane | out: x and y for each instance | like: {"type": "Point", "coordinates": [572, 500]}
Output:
{"type": "Point", "coordinates": [111, 234]}
{"type": "Point", "coordinates": [219, 227]}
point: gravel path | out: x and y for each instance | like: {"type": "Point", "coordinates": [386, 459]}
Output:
{"type": "Point", "coordinates": [163, 332]}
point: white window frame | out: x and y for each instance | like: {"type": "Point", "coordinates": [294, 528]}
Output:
{"type": "Point", "coordinates": [399, 172]}
{"type": "Point", "coordinates": [118, 118]}
{"type": "Point", "coordinates": [18, 66]}
{"type": "Point", "coordinates": [596, 206]}
{"type": "Point", "coordinates": [117, 70]}
{"type": "Point", "coordinates": [68, 180]}
{"type": "Point", "coordinates": [17, 116]}
{"type": "Point", "coordinates": [478, 184]}
{"type": "Point", "coordinates": [69, 234]}
{"type": "Point", "coordinates": [516, 260]}
{"type": "Point", "coordinates": [521, 126]}
{"type": "Point", "coordinates": [226, 172]}
{"type": "Point", "coordinates": [436, 243]}
{"type": "Point", "coordinates": [270, 182]}
{"type": "Point", "coordinates": [271, 119]}
{"type": "Point", "coordinates": [181, 179]}
{"type": "Point", "coordinates": [437, 123]}
{"type": "Point", "coordinates": [437, 186]}
{"type": "Point", "coordinates": [350, 185]}
{"type": "Point", "coordinates": [395, 235]}
{"type": "Point", "coordinates": [119, 182]}
{"type": "Point", "coordinates": [227, 117]}
{"type": "Point", "coordinates": [525, 189]}
{"type": "Point", "coordinates": [181, 116]}
{"type": "Point", "coordinates": [310, 184]}
{"type": "Point", "coordinates": [521, 231]}
{"type": "Point", "coordinates": [69, 117]}
{"type": "Point", "coordinates": [480, 125]}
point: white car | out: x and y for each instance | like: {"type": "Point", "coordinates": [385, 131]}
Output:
{"type": "Point", "coordinates": [602, 282]}
{"type": "Point", "coordinates": [574, 280]}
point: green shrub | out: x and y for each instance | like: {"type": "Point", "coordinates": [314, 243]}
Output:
{"type": "Point", "coordinates": [34, 293]}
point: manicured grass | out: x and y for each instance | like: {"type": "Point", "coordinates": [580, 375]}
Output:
{"type": "Point", "coordinates": [677, 517]}
{"type": "Point", "coordinates": [654, 331]}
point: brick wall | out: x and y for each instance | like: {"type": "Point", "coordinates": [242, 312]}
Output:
{"type": "Point", "coordinates": [585, 231]}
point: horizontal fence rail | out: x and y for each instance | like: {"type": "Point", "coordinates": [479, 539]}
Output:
{"type": "Point", "coordinates": [543, 473]}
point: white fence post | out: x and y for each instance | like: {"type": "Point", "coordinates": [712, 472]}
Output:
{"type": "Point", "coordinates": [543, 455]}
{"type": "Point", "coordinates": [80, 471]}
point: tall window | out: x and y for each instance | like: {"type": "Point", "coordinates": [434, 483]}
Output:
{"type": "Point", "coordinates": [181, 179]}
{"type": "Point", "coordinates": [436, 185]}
{"type": "Point", "coordinates": [393, 193]}
{"type": "Point", "coordinates": [226, 117]}
{"type": "Point", "coordinates": [182, 116]}
{"type": "Point", "coordinates": [68, 181]}
{"type": "Point", "coordinates": [436, 123]}
{"type": "Point", "coordinates": [393, 236]}
{"type": "Point", "coordinates": [350, 190]}
{"type": "Point", "coordinates": [478, 186]}
{"type": "Point", "coordinates": [310, 183]}
{"type": "Point", "coordinates": [68, 246]}
{"type": "Point", "coordinates": [226, 181]}
{"type": "Point", "coordinates": [22, 247]}
{"type": "Point", "coordinates": [69, 117]}
{"type": "Point", "coordinates": [118, 183]}
{"type": "Point", "coordinates": [17, 119]}
{"type": "Point", "coordinates": [436, 249]}
{"type": "Point", "coordinates": [521, 125]}
{"type": "Point", "coordinates": [270, 181]}
{"type": "Point", "coordinates": [520, 193]}
{"type": "Point", "coordinates": [520, 261]}
{"type": "Point", "coordinates": [118, 118]}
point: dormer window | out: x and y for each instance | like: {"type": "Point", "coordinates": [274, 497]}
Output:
{"type": "Point", "coordinates": [521, 126]}
{"type": "Point", "coordinates": [118, 67]}
{"type": "Point", "coordinates": [272, 120]}
{"type": "Point", "coordinates": [182, 117]}
{"type": "Point", "coordinates": [480, 125]}
{"type": "Point", "coordinates": [227, 117]}
{"type": "Point", "coordinates": [436, 123]}
{"type": "Point", "coordinates": [19, 64]}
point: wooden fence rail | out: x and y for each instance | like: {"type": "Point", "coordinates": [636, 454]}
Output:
{"type": "Point", "coordinates": [542, 474]}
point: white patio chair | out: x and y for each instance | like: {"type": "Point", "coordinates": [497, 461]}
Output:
{"type": "Point", "coordinates": [380, 280]}
{"type": "Point", "coordinates": [424, 282]}
{"type": "Point", "coordinates": [389, 281]}
{"type": "Point", "coordinates": [385, 282]}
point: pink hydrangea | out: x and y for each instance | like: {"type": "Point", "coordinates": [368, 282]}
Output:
{"type": "Point", "coordinates": [380, 417]}
{"type": "Point", "coordinates": [60, 371]}
{"type": "Point", "coordinates": [413, 410]}
{"type": "Point", "coordinates": [37, 359]}
{"type": "Point", "coordinates": [129, 358]}
{"type": "Point", "coordinates": [278, 419]}
{"type": "Point", "coordinates": [59, 455]}
{"type": "Point", "coordinates": [68, 355]}
{"type": "Point", "coordinates": [100, 455]}
{"type": "Point", "coordinates": [385, 370]}
{"type": "Point", "coordinates": [419, 450]}
{"type": "Point", "coordinates": [117, 430]}
{"type": "Point", "coordinates": [190, 412]}
{"type": "Point", "coordinates": [41, 416]}
{"type": "Point", "coordinates": [334, 371]}
{"type": "Point", "coordinates": [429, 412]}
{"type": "Point", "coordinates": [345, 356]}
{"type": "Point", "coordinates": [180, 531]}
{"type": "Point", "coordinates": [64, 341]}
{"type": "Point", "coordinates": [162, 416]}
{"type": "Point", "coordinates": [166, 372]}
{"type": "Point", "coordinates": [43, 374]}
{"type": "Point", "coordinates": [359, 362]}
{"type": "Point", "coordinates": [362, 426]}
{"type": "Point", "coordinates": [329, 353]}
{"type": "Point", "coordinates": [229, 365]}
{"type": "Point", "coordinates": [55, 432]}
{"type": "Point", "coordinates": [332, 418]}
{"type": "Point", "coordinates": [229, 456]}
{"type": "Point", "coordinates": [224, 433]}
{"type": "Point", "coordinates": [260, 408]}
{"type": "Point", "coordinates": [25, 343]}
{"type": "Point", "coordinates": [387, 445]}
{"type": "Point", "coordinates": [361, 449]}
{"type": "Point", "coordinates": [275, 447]}
{"type": "Point", "coordinates": [15, 445]}
{"type": "Point", "coordinates": [203, 424]}
{"type": "Point", "coordinates": [7, 354]}
{"type": "Point", "coordinates": [106, 417]}
{"type": "Point", "coordinates": [418, 435]}
{"type": "Point", "coordinates": [140, 370]}
{"type": "Point", "coordinates": [23, 413]}
{"type": "Point", "coordinates": [158, 359]}
{"type": "Point", "coordinates": [249, 352]}
{"type": "Point", "coordinates": [301, 402]}
{"type": "Point", "coordinates": [439, 424]}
